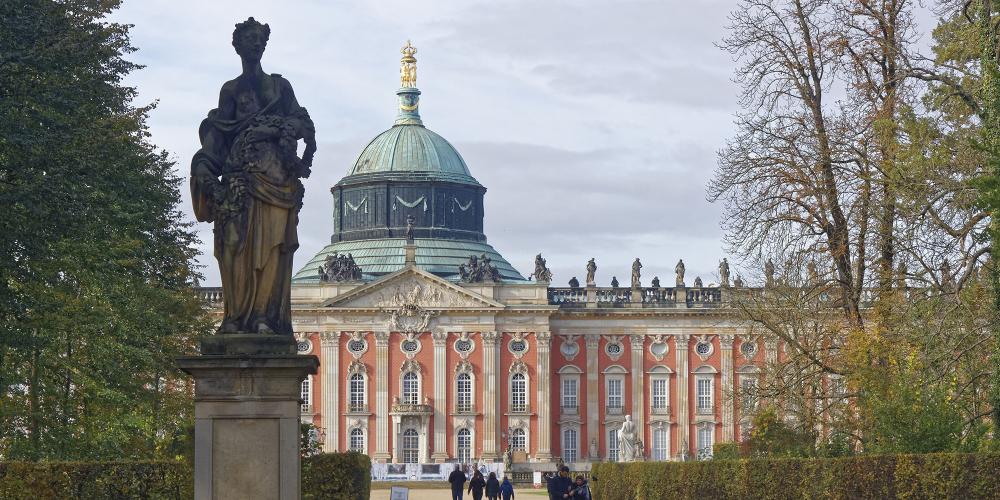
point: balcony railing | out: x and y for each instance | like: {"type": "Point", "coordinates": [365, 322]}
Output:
{"type": "Point", "coordinates": [357, 408]}
{"type": "Point", "coordinates": [569, 410]}
{"type": "Point", "coordinates": [639, 297]}
{"type": "Point", "coordinates": [465, 409]}
{"type": "Point", "coordinates": [209, 295]}
{"type": "Point", "coordinates": [614, 410]}
{"type": "Point", "coordinates": [660, 410]}
{"type": "Point", "coordinates": [520, 409]}
{"type": "Point", "coordinates": [412, 409]}
{"type": "Point", "coordinates": [704, 410]}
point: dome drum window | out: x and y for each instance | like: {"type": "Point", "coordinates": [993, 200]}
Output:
{"type": "Point", "coordinates": [303, 346]}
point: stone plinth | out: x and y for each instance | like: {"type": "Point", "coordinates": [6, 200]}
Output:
{"type": "Point", "coordinates": [247, 425]}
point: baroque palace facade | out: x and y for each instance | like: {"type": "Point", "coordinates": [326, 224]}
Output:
{"type": "Point", "coordinates": [433, 348]}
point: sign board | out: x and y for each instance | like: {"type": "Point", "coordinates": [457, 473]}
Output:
{"type": "Point", "coordinates": [399, 493]}
{"type": "Point", "coordinates": [536, 477]}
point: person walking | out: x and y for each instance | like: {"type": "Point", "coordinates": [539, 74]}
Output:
{"type": "Point", "coordinates": [559, 485]}
{"type": "Point", "coordinates": [457, 479]}
{"type": "Point", "coordinates": [507, 489]}
{"type": "Point", "coordinates": [581, 490]}
{"type": "Point", "coordinates": [492, 487]}
{"type": "Point", "coordinates": [477, 485]}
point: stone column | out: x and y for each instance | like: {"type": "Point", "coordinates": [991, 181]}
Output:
{"type": "Point", "coordinates": [728, 428]}
{"type": "Point", "coordinates": [246, 424]}
{"type": "Point", "coordinates": [330, 342]}
{"type": "Point", "coordinates": [683, 388]}
{"type": "Point", "coordinates": [544, 404]}
{"type": "Point", "coordinates": [491, 401]}
{"type": "Point", "coordinates": [440, 339]}
{"type": "Point", "coordinates": [382, 397]}
{"type": "Point", "coordinates": [593, 394]}
{"type": "Point", "coordinates": [638, 390]}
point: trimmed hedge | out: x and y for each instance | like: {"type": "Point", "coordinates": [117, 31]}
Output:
{"type": "Point", "coordinates": [936, 475]}
{"type": "Point", "coordinates": [336, 476]}
{"type": "Point", "coordinates": [112, 480]}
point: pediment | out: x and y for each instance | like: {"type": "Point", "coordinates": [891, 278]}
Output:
{"type": "Point", "coordinates": [411, 287]}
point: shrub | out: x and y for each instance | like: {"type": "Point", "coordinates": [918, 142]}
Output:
{"type": "Point", "coordinates": [58, 480]}
{"type": "Point", "coordinates": [337, 476]}
{"type": "Point", "coordinates": [938, 475]}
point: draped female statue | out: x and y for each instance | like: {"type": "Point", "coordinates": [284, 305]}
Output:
{"type": "Point", "coordinates": [245, 179]}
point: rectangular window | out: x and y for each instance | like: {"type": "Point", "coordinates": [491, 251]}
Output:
{"type": "Point", "coordinates": [660, 444]}
{"type": "Point", "coordinates": [306, 395]}
{"type": "Point", "coordinates": [704, 442]}
{"type": "Point", "coordinates": [464, 446]}
{"type": "Point", "coordinates": [745, 429]}
{"type": "Point", "coordinates": [411, 389]}
{"type": "Point", "coordinates": [357, 393]}
{"type": "Point", "coordinates": [705, 394]}
{"type": "Point", "coordinates": [615, 394]}
{"type": "Point", "coordinates": [748, 389]}
{"type": "Point", "coordinates": [613, 445]}
{"type": "Point", "coordinates": [569, 392]}
{"type": "Point", "coordinates": [357, 440]}
{"type": "Point", "coordinates": [518, 393]}
{"type": "Point", "coordinates": [464, 393]}
{"type": "Point", "coordinates": [569, 445]}
{"type": "Point", "coordinates": [660, 394]}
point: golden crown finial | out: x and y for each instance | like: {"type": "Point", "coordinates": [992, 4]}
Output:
{"type": "Point", "coordinates": [408, 66]}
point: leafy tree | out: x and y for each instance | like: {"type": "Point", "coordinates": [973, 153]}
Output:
{"type": "Point", "coordinates": [95, 286]}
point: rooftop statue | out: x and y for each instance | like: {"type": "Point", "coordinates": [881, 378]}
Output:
{"type": "Point", "coordinates": [656, 282]}
{"type": "Point", "coordinates": [614, 282]}
{"type": "Point", "coordinates": [738, 282]}
{"type": "Point", "coordinates": [542, 273]}
{"type": "Point", "coordinates": [245, 179]}
{"type": "Point", "coordinates": [479, 270]}
{"type": "Point", "coordinates": [410, 219]}
{"type": "Point", "coordinates": [337, 268]}
{"type": "Point", "coordinates": [724, 273]}
{"type": "Point", "coordinates": [636, 274]}
{"type": "Point", "coordinates": [769, 273]}
{"type": "Point", "coordinates": [591, 269]}
{"type": "Point", "coordinates": [574, 283]}
{"type": "Point", "coordinates": [697, 282]}
{"type": "Point", "coordinates": [679, 271]}
{"type": "Point", "coordinates": [813, 273]}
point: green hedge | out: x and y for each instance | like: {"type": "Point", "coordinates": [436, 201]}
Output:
{"type": "Point", "coordinates": [936, 475]}
{"type": "Point", "coordinates": [112, 480]}
{"type": "Point", "coordinates": [333, 476]}
{"type": "Point", "coordinates": [337, 476]}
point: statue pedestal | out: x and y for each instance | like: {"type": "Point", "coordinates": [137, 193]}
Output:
{"type": "Point", "coordinates": [247, 428]}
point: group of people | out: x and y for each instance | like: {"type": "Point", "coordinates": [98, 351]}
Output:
{"type": "Point", "coordinates": [559, 486]}
{"type": "Point", "coordinates": [492, 487]}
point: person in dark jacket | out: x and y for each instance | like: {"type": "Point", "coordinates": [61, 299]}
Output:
{"type": "Point", "coordinates": [507, 489]}
{"type": "Point", "coordinates": [492, 487]}
{"type": "Point", "coordinates": [559, 485]}
{"type": "Point", "coordinates": [477, 485]}
{"type": "Point", "coordinates": [457, 480]}
{"type": "Point", "coordinates": [581, 490]}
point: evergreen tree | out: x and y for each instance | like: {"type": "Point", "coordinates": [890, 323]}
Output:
{"type": "Point", "coordinates": [95, 283]}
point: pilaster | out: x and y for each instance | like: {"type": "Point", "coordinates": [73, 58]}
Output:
{"type": "Point", "coordinates": [330, 348]}
{"type": "Point", "coordinates": [638, 391]}
{"type": "Point", "coordinates": [440, 340]}
{"type": "Point", "coordinates": [382, 397]}
{"type": "Point", "coordinates": [544, 404]}
{"type": "Point", "coordinates": [728, 429]}
{"type": "Point", "coordinates": [593, 394]}
{"type": "Point", "coordinates": [491, 402]}
{"type": "Point", "coordinates": [683, 389]}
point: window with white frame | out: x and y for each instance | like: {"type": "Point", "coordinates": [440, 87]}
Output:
{"type": "Point", "coordinates": [613, 445]}
{"type": "Point", "coordinates": [615, 387]}
{"type": "Point", "coordinates": [306, 394]}
{"type": "Point", "coordinates": [660, 447]}
{"type": "Point", "coordinates": [570, 390]}
{"type": "Point", "coordinates": [569, 445]}
{"type": "Point", "coordinates": [464, 446]}
{"type": "Point", "coordinates": [464, 393]}
{"type": "Point", "coordinates": [746, 427]}
{"type": "Point", "coordinates": [519, 440]}
{"type": "Point", "coordinates": [748, 391]}
{"type": "Point", "coordinates": [356, 393]}
{"type": "Point", "coordinates": [705, 438]}
{"type": "Point", "coordinates": [659, 399]}
{"type": "Point", "coordinates": [411, 446]}
{"type": "Point", "coordinates": [705, 394]}
{"type": "Point", "coordinates": [357, 441]}
{"type": "Point", "coordinates": [518, 393]}
{"type": "Point", "coordinates": [411, 388]}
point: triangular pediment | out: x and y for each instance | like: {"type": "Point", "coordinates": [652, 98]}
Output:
{"type": "Point", "coordinates": [411, 286]}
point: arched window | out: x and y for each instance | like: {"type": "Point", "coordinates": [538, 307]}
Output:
{"type": "Point", "coordinates": [518, 393]}
{"type": "Point", "coordinates": [411, 446]}
{"type": "Point", "coordinates": [660, 444]}
{"type": "Point", "coordinates": [518, 441]}
{"type": "Point", "coordinates": [464, 400]}
{"type": "Point", "coordinates": [357, 440]}
{"type": "Point", "coordinates": [569, 445]}
{"type": "Point", "coordinates": [464, 446]}
{"type": "Point", "coordinates": [357, 393]}
{"type": "Point", "coordinates": [411, 389]}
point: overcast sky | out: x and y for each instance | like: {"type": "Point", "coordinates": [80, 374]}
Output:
{"type": "Point", "coordinates": [593, 125]}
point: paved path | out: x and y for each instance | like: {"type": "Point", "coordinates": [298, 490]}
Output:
{"type": "Point", "coordinates": [443, 494]}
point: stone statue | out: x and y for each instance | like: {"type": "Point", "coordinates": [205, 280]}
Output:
{"type": "Point", "coordinates": [679, 271]}
{"type": "Point", "coordinates": [410, 219]}
{"type": "Point", "coordinates": [724, 273]}
{"type": "Point", "coordinates": [656, 282]}
{"type": "Point", "coordinates": [697, 282]}
{"type": "Point", "coordinates": [738, 282]}
{"type": "Point", "coordinates": [614, 282]}
{"type": "Point", "coordinates": [479, 270]}
{"type": "Point", "coordinates": [508, 460]}
{"type": "Point", "coordinates": [627, 440]}
{"type": "Point", "coordinates": [769, 273]}
{"type": "Point", "coordinates": [947, 279]}
{"type": "Point", "coordinates": [574, 283]}
{"type": "Point", "coordinates": [245, 179]}
{"type": "Point", "coordinates": [813, 273]}
{"type": "Point", "coordinates": [337, 268]}
{"type": "Point", "coordinates": [542, 273]}
{"type": "Point", "coordinates": [591, 269]}
{"type": "Point", "coordinates": [636, 274]}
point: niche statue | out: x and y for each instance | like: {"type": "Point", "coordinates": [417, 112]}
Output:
{"type": "Point", "coordinates": [245, 179]}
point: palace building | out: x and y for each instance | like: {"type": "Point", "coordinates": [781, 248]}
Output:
{"type": "Point", "coordinates": [434, 349]}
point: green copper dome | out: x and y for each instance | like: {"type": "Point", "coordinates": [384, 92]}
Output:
{"type": "Point", "coordinates": [410, 148]}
